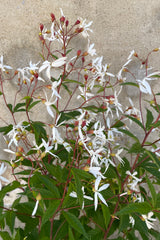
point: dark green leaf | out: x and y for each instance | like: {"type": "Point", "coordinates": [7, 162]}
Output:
{"type": "Point", "coordinates": [71, 236]}
{"type": "Point", "coordinates": [67, 89]}
{"type": "Point", "coordinates": [136, 148]}
{"type": "Point", "coordinates": [68, 51]}
{"type": "Point", "coordinates": [81, 173]}
{"type": "Point", "coordinates": [152, 191]}
{"type": "Point", "coordinates": [78, 188]}
{"type": "Point", "coordinates": [1, 93]}
{"type": "Point", "coordinates": [73, 81]}
{"type": "Point", "coordinates": [106, 214]}
{"type": "Point", "coordinates": [50, 211]}
{"type": "Point", "coordinates": [5, 235]}
{"type": "Point", "coordinates": [68, 116]}
{"type": "Point", "coordinates": [39, 131]}
{"type": "Point", "coordinates": [10, 107]}
{"type": "Point", "coordinates": [129, 134]}
{"type": "Point", "coordinates": [18, 108]}
{"type": "Point", "coordinates": [75, 223]}
{"type": "Point", "coordinates": [135, 120]}
{"type": "Point", "coordinates": [6, 129]}
{"type": "Point", "coordinates": [33, 104]}
{"type": "Point", "coordinates": [142, 208]}
{"type": "Point", "coordinates": [149, 119]}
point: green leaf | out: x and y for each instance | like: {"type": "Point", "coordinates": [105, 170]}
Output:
{"type": "Point", "coordinates": [75, 223]}
{"type": "Point", "coordinates": [49, 183]}
{"type": "Point", "coordinates": [94, 109]}
{"type": "Point", "coordinates": [50, 211]}
{"type": "Point", "coordinates": [135, 120]}
{"type": "Point", "coordinates": [153, 157]}
{"type": "Point", "coordinates": [73, 81]}
{"type": "Point", "coordinates": [1, 93]}
{"type": "Point", "coordinates": [18, 108]}
{"type": "Point", "coordinates": [124, 223]}
{"type": "Point", "coordinates": [106, 214]}
{"type": "Point", "coordinates": [39, 131]}
{"type": "Point", "coordinates": [67, 116]}
{"type": "Point", "coordinates": [81, 173]}
{"type": "Point", "coordinates": [152, 190]}
{"type": "Point", "coordinates": [149, 119]}
{"type": "Point", "coordinates": [129, 134]}
{"type": "Point", "coordinates": [33, 104]}
{"type": "Point", "coordinates": [142, 208]}
{"type": "Point", "coordinates": [130, 84]}
{"type": "Point", "coordinates": [136, 148]}
{"type": "Point", "coordinates": [78, 188]}
{"type": "Point", "coordinates": [10, 107]}
{"type": "Point", "coordinates": [66, 88]}
{"type": "Point", "coordinates": [6, 129]}
{"type": "Point", "coordinates": [17, 236]}
{"type": "Point", "coordinates": [10, 220]}
{"type": "Point", "coordinates": [5, 235]}
{"type": "Point", "coordinates": [9, 188]}
{"type": "Point", "coordinates": [68, 51]}
{"type": "Point", "coordinates": [71, 236]}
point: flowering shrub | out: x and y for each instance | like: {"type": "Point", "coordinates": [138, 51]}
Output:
{"type": "Point", "coordinates": [82, 173]}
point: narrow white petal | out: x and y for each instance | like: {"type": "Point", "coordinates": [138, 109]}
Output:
{"type": "Point", "coordinates": [35, 208]}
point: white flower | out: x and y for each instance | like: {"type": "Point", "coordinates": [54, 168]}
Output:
{"type": "Point", "coordinates": [84, 94]}
{"type": "Point", "coordinates": [131, 54]}
{"type": "Point", "coordinates": [74, 195]}
{"type": "Point", "coordinates": [96, 172]}
{"type": "Point", "coordinates": [2, 170]}
{"type": "Point", "coordinates": [131, 220]}
{"type": "Point", "coordinates": [48, 103]}
{"type": "Point", "coordinates": [149, 220]}
{"type": "Point", "coordinates": [38, 198]}
{"type": "Point", "coordinates": [85, 27]}
{"type": "Point", "coordinates": [117, 155]}
{"type": "Point", "coordinates": [57, 63]}
{"type": "Point", "coordinates": [97, 193]}
{"type": "Point", "coordinates": [91, 51]}
{"type": "Point", "coordinates": [2, 66]}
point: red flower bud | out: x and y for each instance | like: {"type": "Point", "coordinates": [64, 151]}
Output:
{"type": "Point", "coordinates": [67, 23]}
{"type": "Point", "coordinates": [78, 53]}
{"type": "Point", "coordinates": [62, 19]}
{"type": "Point", "coordinates": [36, 75]}
{"type": "Point", "coordinates": [86, 77]}
{"type": "Point", "coordinates": [41, 27]}
{"type": "Point", "coordinates": [52, 17]}
{"type": "Point", "coordinates": [83, 59]}
{"type": "Point", "coordinates": [77, 22]}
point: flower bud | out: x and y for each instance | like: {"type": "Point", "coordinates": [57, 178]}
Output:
{"type": "Point", "coordinates": [38, 198]}
{"type": "Point", "coordinates": [67, 23]}
{"type": "Point", "coordinates": [156, 50]}
{"type": "Point", "coordinates": [77, 22]}
{"type": "Point", "coordinates": [78, 53]}
{"type": "Point", "coordinates": [62, 19]}
{"type": "Point", "coordinates": [52, 17]}
{"type": "Point", "coordinates": [86, 77]}
{"type": "Point", "coordinates": [36, 75]}
{"type": "Point", "coordinates": [41, 26]}
{"type": "Point", "coordinates": [83, 59]}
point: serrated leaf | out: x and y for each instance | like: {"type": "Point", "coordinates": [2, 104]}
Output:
{"type": "Point", "coordinates": [135, 120]}
{"type": "Point", "coordinates": [129, 134]}
{"type": "Point", "coordinates": [149, 119]}
{"type": "Point", "coordinates": [152, 190]}
{"type": "Point", "coordinates": [78, 188]}
{"type": "Point", "coordinates": [142, 208]}
{"type": "Point", "coordinates": [75, 223]}
{"type": "Point", "coordinates": [124, 223]}
{"type": "Point", "coordinates": [50, 211]}
{"type": "Point", "coordinates": [9, 188]}
{"type": "Point", "coordinates": [106, 214]}
{"type": "Point", "coordinates": [67, 116]}
{"type": "Point", "coordinates": [136, 148]}
{"type": "Point", "coordinates": [81, 173]}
